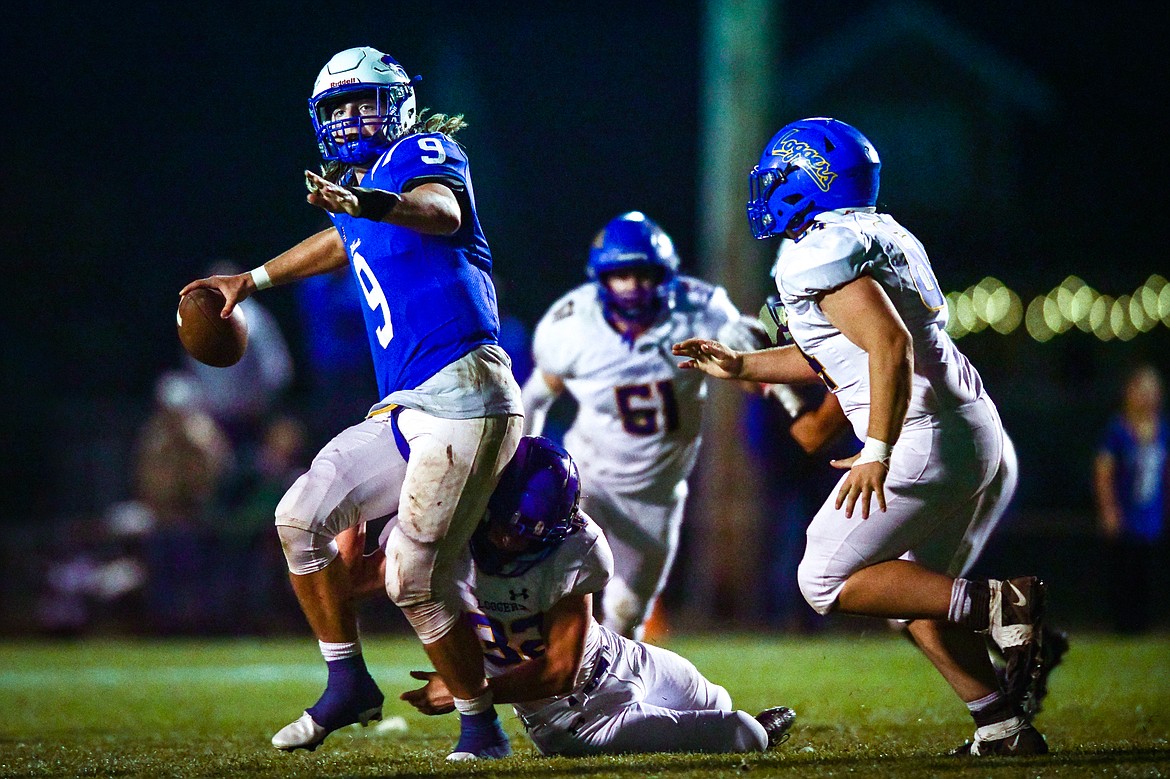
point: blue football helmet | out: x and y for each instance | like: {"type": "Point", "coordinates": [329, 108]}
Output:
{"type": "Point", "coordinates": [347, 74]}
{"type": "Point", "coordinates": [627, 242]}
{"type": "Point", "coordinates": [810, 166]}
{"type": "Point", "coordinates": [537, 499]}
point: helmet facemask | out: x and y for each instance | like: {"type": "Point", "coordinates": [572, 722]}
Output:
{"type": "Point", "coordinates": [349, 140]}
{"type": "Point", "coordinates": [641, 304]}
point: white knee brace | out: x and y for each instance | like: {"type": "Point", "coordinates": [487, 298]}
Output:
{"type": "Point", "coordinates": [305, 552]}
{"type": "Point", "coordinates": [431, 609]}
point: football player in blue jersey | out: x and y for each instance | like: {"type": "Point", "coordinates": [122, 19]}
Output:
{"type": "Point", "coordinates": [398, 189]}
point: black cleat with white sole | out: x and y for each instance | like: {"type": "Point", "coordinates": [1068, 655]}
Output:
{"type": "Point", "coordinates": [777, 721]}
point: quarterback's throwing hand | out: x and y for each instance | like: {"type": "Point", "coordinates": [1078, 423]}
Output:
{"type": "Point", "coordinates": [433, 697]}
{"type": "Point", "coordinates": [332, 197]}
{"type": "Point", "coordinates": [710, 357]}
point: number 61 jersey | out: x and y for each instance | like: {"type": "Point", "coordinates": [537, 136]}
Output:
{"type": "Point", "coordinates": [838, 248]}
{"type": "Point", "coordinates": [639, 415]}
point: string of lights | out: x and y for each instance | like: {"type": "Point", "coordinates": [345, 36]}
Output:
{"type": "Point", "coordinates": [1073, 303]}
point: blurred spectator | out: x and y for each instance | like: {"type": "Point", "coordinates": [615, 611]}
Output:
{"type": "Point", "coordinates": [795, 482]}
{"type": "Point", "coordinates": [181, 459]}
{"type": "Point", "coordinates": [91, 577]}
{"type": "Point", "coordinates": [241, 398]}
{"type": "Point", "coordinates": [250, 586]}
{"type": "Point", "coordinates": [1130, 477]}
{"type": "Point", "coordinates": [340, 378]}
{"type": "Point", "coordinates": [515, 335]}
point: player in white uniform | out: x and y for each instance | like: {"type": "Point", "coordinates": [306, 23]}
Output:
{"type": "Point", "coordinates": [636, 432]}
{"type": "Point", "coordinates": [867, 317]}
{"type": "Point", "coordinates": [578, 687]}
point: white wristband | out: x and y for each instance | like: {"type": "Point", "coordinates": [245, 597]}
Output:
{"type": "Point", "coordinates": [261, 278]}
{"type": "Point", "coordinates": [874, 451]}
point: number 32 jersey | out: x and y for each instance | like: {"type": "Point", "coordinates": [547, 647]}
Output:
{"type": "Point", "coordinates": [639, 415]}
{"type": "Point", "coordinates": [840, 247]}
{"type": "Point", "coordinates": [508, 611]}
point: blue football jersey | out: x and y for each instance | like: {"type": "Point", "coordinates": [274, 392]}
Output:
{"type": "Point", "coordinates": [429, 299]}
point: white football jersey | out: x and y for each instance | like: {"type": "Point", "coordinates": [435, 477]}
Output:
{"type": "Point", "coordinates": [839, 247]}
{"type": "Point", "coordinates": [508, 611]}
{"type": "Point", "coordinates": [639, 415]}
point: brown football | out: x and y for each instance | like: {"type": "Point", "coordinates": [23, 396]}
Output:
{"type": "Point", "coordinates": [206, 336]}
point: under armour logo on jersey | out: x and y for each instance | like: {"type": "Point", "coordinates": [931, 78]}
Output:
{"type": "Point", "coordinates": [521, 595]}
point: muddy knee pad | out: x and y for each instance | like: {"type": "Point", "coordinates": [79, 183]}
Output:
{"type": "Point", "coordinates": [431, 604]}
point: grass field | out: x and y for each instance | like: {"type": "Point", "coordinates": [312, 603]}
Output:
{"type": "Point", "coordinates": [867, 706]}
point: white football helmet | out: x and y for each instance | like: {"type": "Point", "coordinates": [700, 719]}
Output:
{"type": "Point", "coordinates": [362, 69]}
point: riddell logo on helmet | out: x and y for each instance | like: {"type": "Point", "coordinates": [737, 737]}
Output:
{"type": "Point", "coordinates": [802, 155]}
{"type": "Point", "coordinates": [351, 80]}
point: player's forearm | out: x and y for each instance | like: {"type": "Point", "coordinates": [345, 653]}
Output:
{"type": "Point", "coordinates": [541, 677]}
{"type": "Point", "coordinates": [891, 373]}
{"type": "Point", "coordinates": [431, 209]}
{"type": "Point", "coordinates": [320, 253]}
{"type": "Point", "coordinates": [779, 365]}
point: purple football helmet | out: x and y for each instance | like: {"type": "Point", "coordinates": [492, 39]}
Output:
{"type": "Point", "coordinates": [536, 499]}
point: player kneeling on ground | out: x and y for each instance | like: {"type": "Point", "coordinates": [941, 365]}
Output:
{"type": "Point", "coordinates": [579, 688]}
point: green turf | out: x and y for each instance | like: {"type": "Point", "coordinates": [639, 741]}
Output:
{"type": "Point", "coordinates": [868, 705]}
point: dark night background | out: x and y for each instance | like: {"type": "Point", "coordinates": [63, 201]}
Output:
{"type": "Point", "coordinates": [144, 141]}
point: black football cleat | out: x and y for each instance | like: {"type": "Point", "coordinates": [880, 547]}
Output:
{"type": "Point", "coordinates": [777, 721]}
{"type": "Point", "coordinates": [1024, 742]}
{"type": "Point", "coordinates": [1017, 628]}
{"type": "Point", "coordinates": [1053, 647]}
{"type": "Point", "coordinates": [1027, 741]}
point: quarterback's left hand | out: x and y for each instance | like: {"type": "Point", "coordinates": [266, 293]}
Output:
{"type": "Point", "coordinates": [433, 697]}
{"type": "Point", "coordinates": [332, 197]}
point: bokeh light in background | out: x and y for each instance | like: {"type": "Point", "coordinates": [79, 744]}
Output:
{"type": "Point", "coordinates": [1073, 303]}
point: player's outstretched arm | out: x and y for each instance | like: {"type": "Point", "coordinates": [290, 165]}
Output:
{"type": "Point", "coordinates": [779, 365]}
{"type": "Point", "coordinates": [538, 395]}
{"type": "Point", "coordinates": [430, 208]}
{"type": "Point", "coordinates": [553, 673]}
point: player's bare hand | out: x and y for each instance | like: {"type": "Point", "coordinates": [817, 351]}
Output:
{"type": "Point", "coordinates": [710, 357]}
{"type": "Point", "coordinates": [433, 697]}
{"type": "Point", "coordinates": [332, 197]}
{"type": "Point", "coordinates": [233, 288]}
{"type": "Point", "coordinates": [864, 482]}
